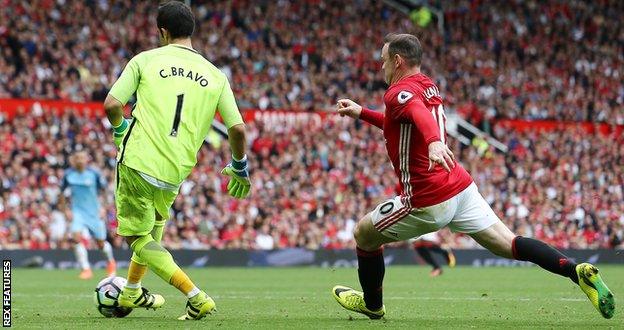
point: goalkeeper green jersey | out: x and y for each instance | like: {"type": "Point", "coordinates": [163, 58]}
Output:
{"type": "Point", "coordinates": [178, 92]}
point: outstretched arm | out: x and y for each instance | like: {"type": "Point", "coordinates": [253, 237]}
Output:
{"type": "Point", "coordinates": [346, 107]}
{"type": "Point", "coordinates": [372, 117]}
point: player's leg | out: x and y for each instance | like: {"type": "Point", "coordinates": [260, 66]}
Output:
{"type": "Point", "coordinates": [501, 241]}
{"type": "Point", "coordinates": [135, 216]}
{"type": "Point", "coordinates": [80, 251]}
{"type": "Point", "coordinates": [199, 304]}
{"type": "Point", "coordinates": [446, 253]}
{"type": "Point", "coordinates": [138, 267]}
{"type": "Point", "coordinates": [371, 267]}
{"type": "Point", "coordinates": [476, 218]}
{"type": "Point", "coordinates": [107, 250]}
{"type": "Point", "coordinates": [391, 221]}
{"type": "Point", "coordinates": [371, 270]}
{"type": "Point", "coordinates": [160, 261]}
{"type": "Point", "coordinates": [98, 230]}
{"type": "Point", "coordinates": [137, 203]}
{"type": "Point", "coordinates": [424, 250]}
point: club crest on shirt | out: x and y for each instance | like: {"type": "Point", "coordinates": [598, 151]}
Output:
{"type": "Point", "coordinates": [404, 96]}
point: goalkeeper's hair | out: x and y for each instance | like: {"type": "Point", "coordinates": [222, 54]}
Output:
{"type": "Point", "coordinates": [177, 18]}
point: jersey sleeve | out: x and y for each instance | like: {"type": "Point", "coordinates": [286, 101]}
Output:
{"type": "Point", "coordinates": [372, 117]}
{"type": "Point", "coordinates": [227, 107]}
{"type": "Point", "coordinates": [128, 81]}
{"type": "Point", "coordinates": [406, 106]}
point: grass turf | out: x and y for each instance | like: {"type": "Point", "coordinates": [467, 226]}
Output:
{"type": "Point", "coordinates": [300, 298]}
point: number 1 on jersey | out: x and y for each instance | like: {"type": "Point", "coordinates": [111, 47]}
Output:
{"type": "Point", "coordinates": [438, 114]}
{"type": "Point", "coordinates": [178, 114]}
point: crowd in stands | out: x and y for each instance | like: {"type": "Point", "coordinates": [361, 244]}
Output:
{"type": "Point", "coordinates": [312, 180]}
{"type": "Point", "coordinates": [559, 60]}
{"type": "Point", "coordinates": [492, 59]}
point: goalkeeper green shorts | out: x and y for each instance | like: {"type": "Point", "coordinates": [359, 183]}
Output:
{"type": "Point", "coordinates": [138, 201]}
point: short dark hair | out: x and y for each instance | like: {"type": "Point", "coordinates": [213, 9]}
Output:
{"type": "Point", "coordinates": [406, 45]}
{"type": "Point", "coordinates": [177, 18]}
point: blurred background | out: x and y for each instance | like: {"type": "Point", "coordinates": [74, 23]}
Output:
{"type": "Point", "coordinates": [534, 92]}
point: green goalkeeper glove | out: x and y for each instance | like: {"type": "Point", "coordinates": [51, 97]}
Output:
{"type": "Point", "coordinates": [239, 185]}
{"type": "Point", "coordinates": [120, 131]}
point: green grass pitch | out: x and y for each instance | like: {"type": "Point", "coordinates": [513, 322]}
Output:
{"type": "Point", "coordinates": [300, 298]}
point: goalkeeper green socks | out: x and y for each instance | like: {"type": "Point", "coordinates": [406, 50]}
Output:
{"type": "Point", "coordinates": [138, 267]}
{"type": "Point", "coordinates": [157, 233]}
{"type": "Point", "coordinates": [158, 259]}
{"type": "Point", "coordinates": [161, 262]}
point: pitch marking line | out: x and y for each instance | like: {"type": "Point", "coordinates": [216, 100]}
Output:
{"type": "Point", "coordinates": [298, 297]}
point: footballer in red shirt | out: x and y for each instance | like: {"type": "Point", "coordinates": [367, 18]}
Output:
{"type": "Point", "coordinates": [435, 190]}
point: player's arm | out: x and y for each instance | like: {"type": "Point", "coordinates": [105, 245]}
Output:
{"type": "Point", "coordinates": [237, 140]}
{"type": "Point", "coordinates": [118, 96]}
{"type": "Point", "coordinates": [415, 111]}
{"type": "Point", "coordinates": [346, 107]}
{"type": "Point", "coordinates": [239, 185]}
{"type": "Point", "coordinates": [100, 181]}
{"type": "Point", "coordinates": [62, 200]}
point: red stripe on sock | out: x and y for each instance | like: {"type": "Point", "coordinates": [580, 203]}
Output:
{"type": "Point", "coordinates": [368, 254]}
{"type": "Point", "coordinates": [426, 244]}
{"type": "Point", "coordinates": [513, 248]}
{"type": "Point", "coordinates": [563, 262]}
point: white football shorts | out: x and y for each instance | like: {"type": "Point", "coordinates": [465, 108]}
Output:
{"type": "Point", "coordinates": [466, 212]}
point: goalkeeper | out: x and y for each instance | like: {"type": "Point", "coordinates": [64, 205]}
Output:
{"type": "Point", "coordinates": [178, 92]}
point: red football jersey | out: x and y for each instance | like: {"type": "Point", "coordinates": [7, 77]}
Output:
{"type": "Point", "coordinates": [414, 118]}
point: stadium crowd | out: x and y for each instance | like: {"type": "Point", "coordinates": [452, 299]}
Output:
{"type": "Point", "coordinates": [493, 59]}
{"type": "Point", "coordinates": [312, 180]}
{"type": "Point", "coordinates": [559, 60]}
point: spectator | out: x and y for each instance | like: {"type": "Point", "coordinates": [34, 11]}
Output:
{"type": "Point", "coordinates": [563, 186]}
{"type": "Point", "coordinates": [494, 59]}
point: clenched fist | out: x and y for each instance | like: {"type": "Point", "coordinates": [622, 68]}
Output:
{"type": "Point", "coordinates": [346, 107]}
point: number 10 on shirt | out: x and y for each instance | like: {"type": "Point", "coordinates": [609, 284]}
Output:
{"type": "Point", "coordinates": [437, 111]}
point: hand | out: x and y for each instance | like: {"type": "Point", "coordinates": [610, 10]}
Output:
{"type": "Point", "coordinates": [68, 215]}
{"type": "Point", "coordinates": [239, 185]}
{"type": "Point", "coordinates": [440, 154]}
{"type": "Point", "coordinates": [120, 131]}
{"type": "Point", "coordinates": [346, 107]}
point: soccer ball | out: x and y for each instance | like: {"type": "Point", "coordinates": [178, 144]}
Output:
{"type": "Point", "coordinates": [105, 297]}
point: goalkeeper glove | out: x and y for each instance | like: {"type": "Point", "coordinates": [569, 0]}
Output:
{"type": "Point", "coordinates": [239, 185]}
{"type": "Point", "coordinates": [120, 131]}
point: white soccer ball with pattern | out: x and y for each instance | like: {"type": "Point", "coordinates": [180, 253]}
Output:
{"type": "Point", "coordinates": [105, 297]}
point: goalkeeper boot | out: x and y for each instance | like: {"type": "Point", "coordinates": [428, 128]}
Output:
{"type": "Point", "coordinates": [140, 298]}
{"type": "Point", "coordinates": [198, 307]}
{"type": "Point", "coordinates": [353, 300]}
{"type": "Point", "coordinates": [596, 290]}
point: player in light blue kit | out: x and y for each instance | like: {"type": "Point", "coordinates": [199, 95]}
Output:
{"type": "Point", "coordinates": [83, 183]}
